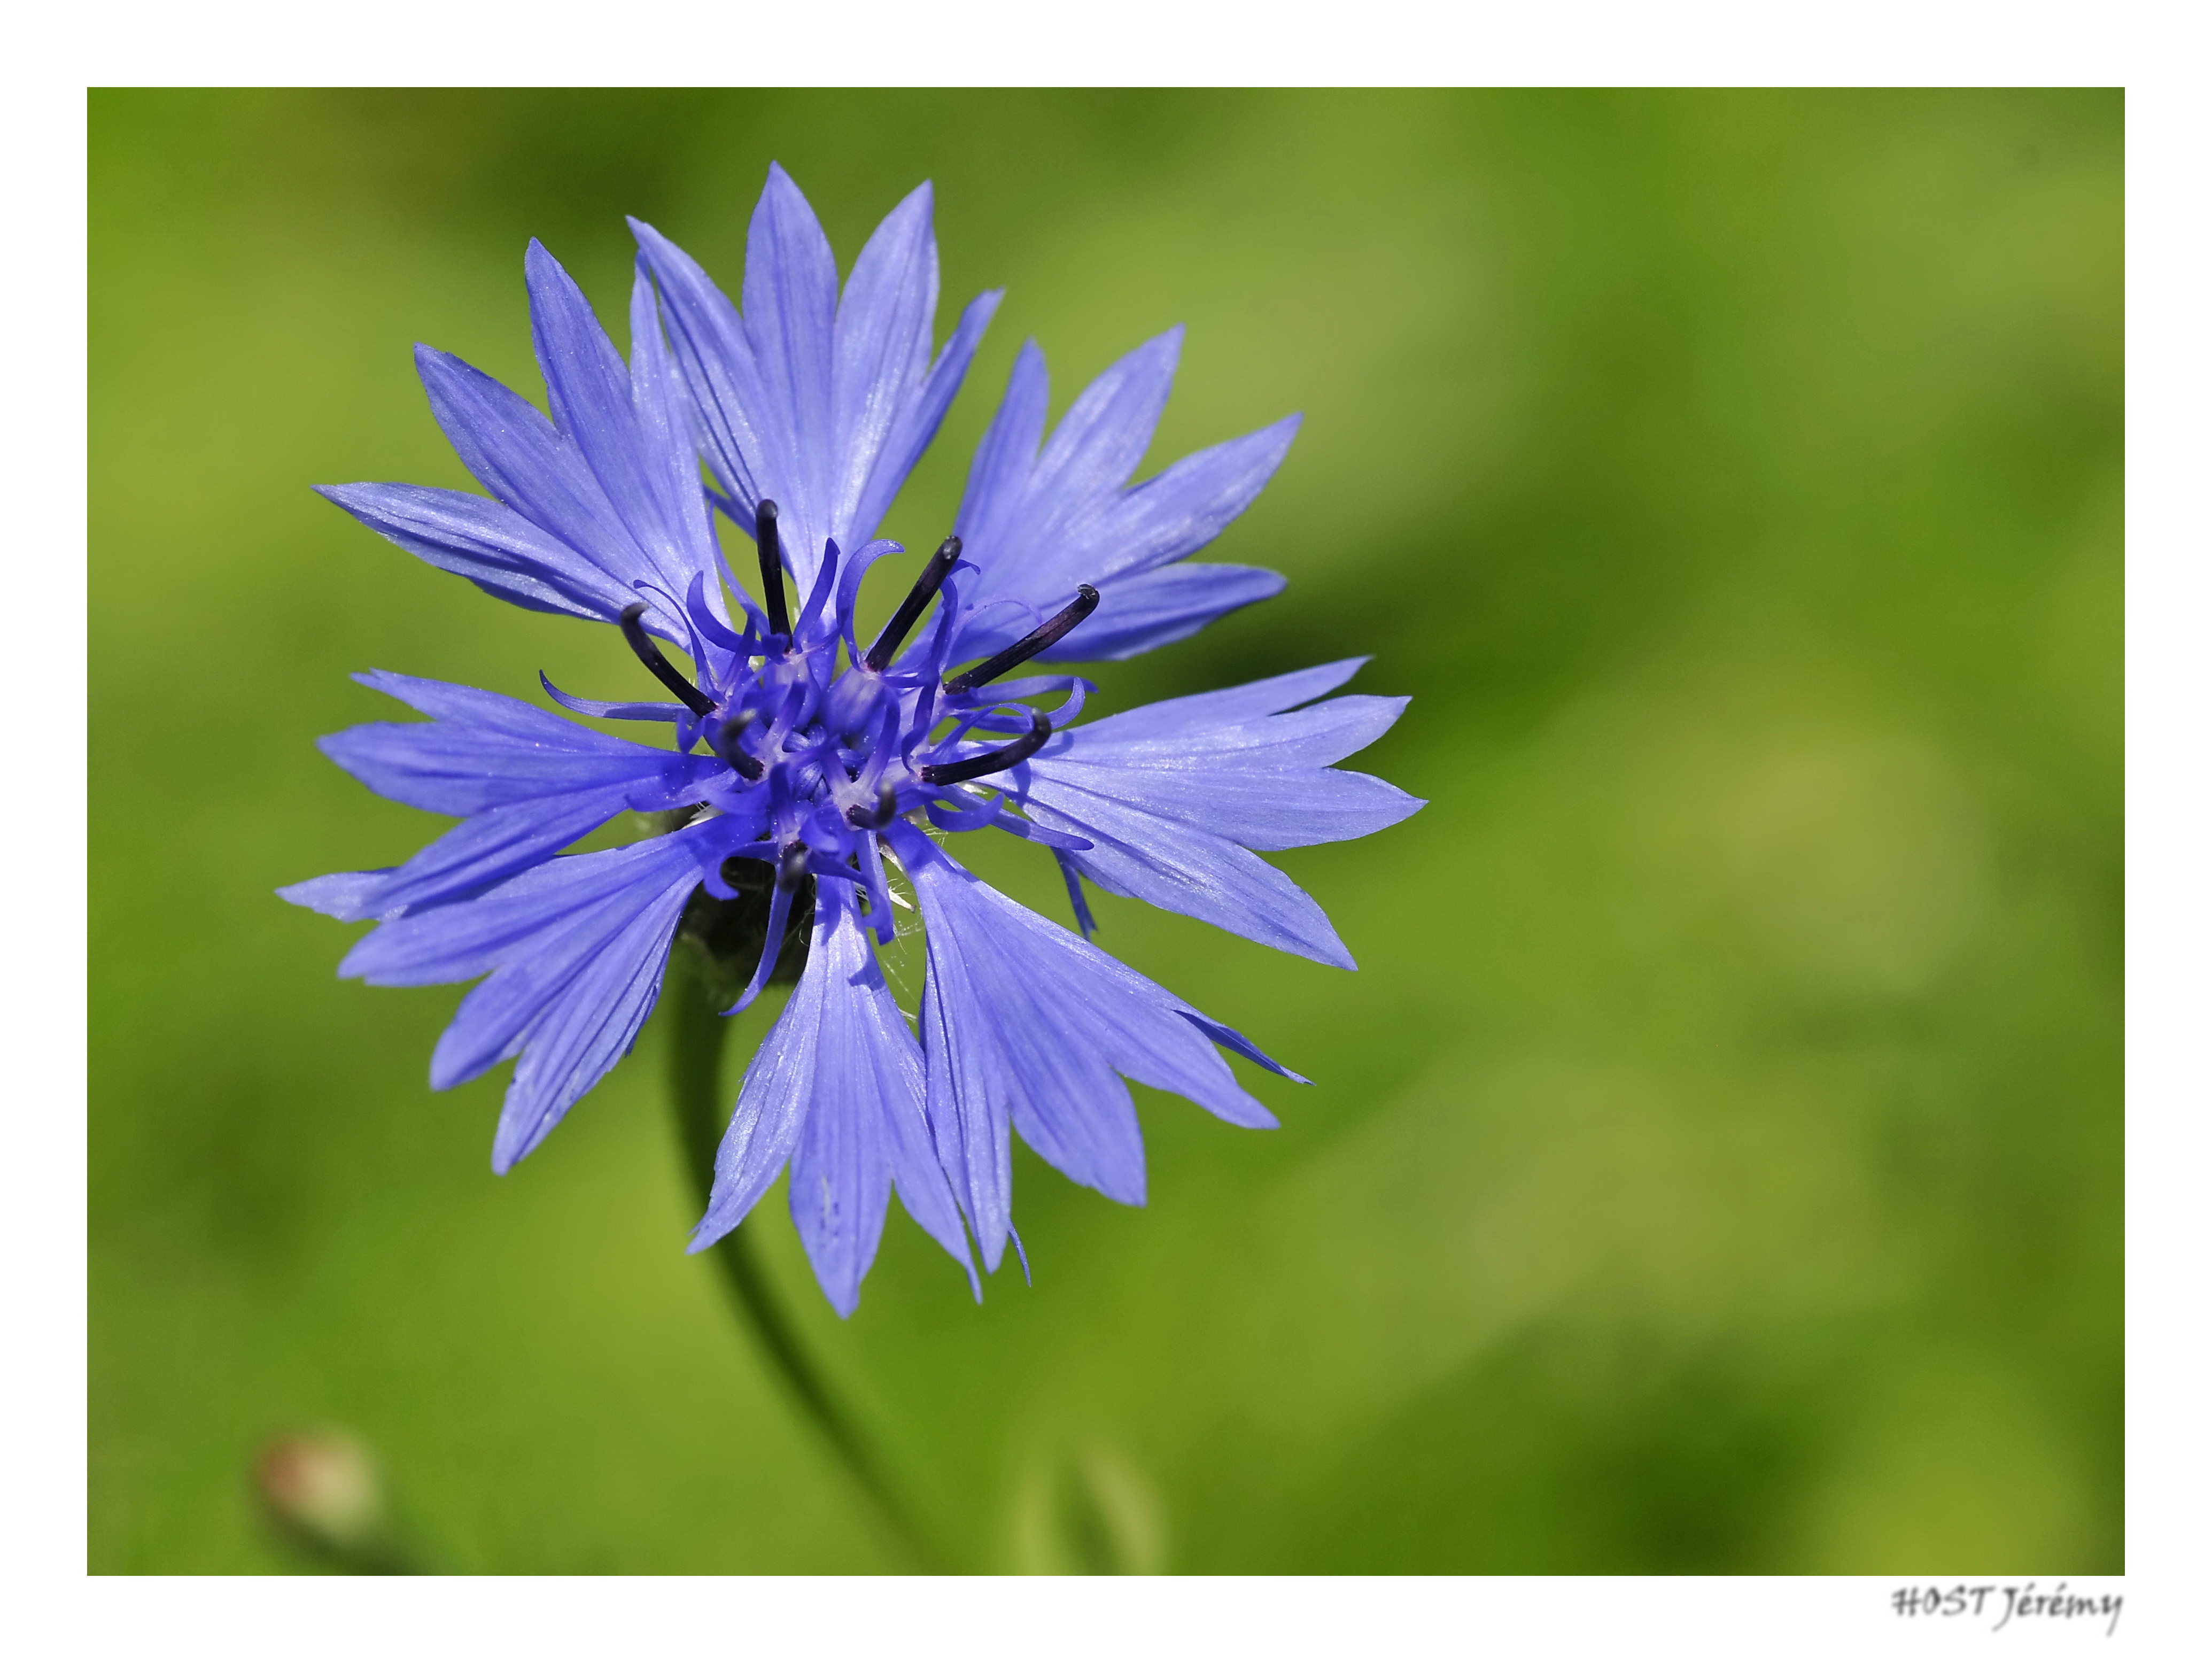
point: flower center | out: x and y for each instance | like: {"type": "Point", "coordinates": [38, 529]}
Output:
{"type": "Point", "coordinates": [822, 759]}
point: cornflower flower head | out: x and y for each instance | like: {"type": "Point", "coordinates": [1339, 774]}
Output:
{"type": "Point", "coordinates": [802, 766]}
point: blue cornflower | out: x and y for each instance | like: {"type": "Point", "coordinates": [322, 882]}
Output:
{"type": "Point", "coordinates": [795, 748]}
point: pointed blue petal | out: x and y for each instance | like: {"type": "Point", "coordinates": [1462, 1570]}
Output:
{"type": "Point", "coordinates": [1226, 1036]}
{"type": "Point", "coordinates": [715, 356]}
{"type": "Point", "coordinates": [457, 701]}
{"type": "Point", "coordinates": [666, 435]}
{"type": "Point", "coordinates": [587, 1028]}
{"type": "Point", "coordinates": [1119, 544]}
{"type": "Point", "coordinates": [968, 1090]}
{"type": "Point", "coordinates": [1150, 609]}
{"type": "Point", "coordinates": [450, 768]}
{"type": "Point", "coordinates": [1104, 435]}
{"type": "Point", "coordinates": [1028, 1026]}
{"type": "Point", "coordinates": [1224, 706]}
{"type": "Point", "coordinates": [1038, 525]}
{"type": "Point", "coordinates": [483, 749]}
{"type": "Point", "coordinates": [866, 1069]}
{"type": "Point", "coordinates": [1313, 737]}
{"type": "Point", "coordinates": [349, 896]}
{"type": "Point", "coordinates": [588, 388]}
{"type": "Point", "coordinates": [998, 479]}
{"type": "Point", "coordinates": [523, 460]}
{"type": "Point", "coordinates": [575, 949]}
{"type": "Point", "coordinates": [1181, 510]}
{"type": "Point", "coordinates": [835, 1089]}
{"type": "Point", "coordinates": [825, 407]}
{"type": "Point", "coordinates": [922, 413]}
{"type": "Point", "coordinates": [882, 346]}
{"type": "Point", "coordinates": [790, 315]}
{"type": "Point", "coordinates": [460, 943]}
{"type": "Point", "coordinates": [771, 1111]}
{"type": "Point", "coordinates": [840, 1186]}
{"type": "Point", "coordinates": [1166, 518]}
{"type": "Point", "coordinates": [1256, 808]}
{"type": "Point", "coordinates": [1263, 781]}
{"type": "Point", "coordinates": [486, 542]}
{"type": "Point", "coordinates": [588, 943]}
{"type": "Point", "coordinates": [1187, 870]}
{"type": "Point", "coordinates": [497, 844]}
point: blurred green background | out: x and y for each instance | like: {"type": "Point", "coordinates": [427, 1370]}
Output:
{"type": "Point", "coordinates": [1715, 1165]}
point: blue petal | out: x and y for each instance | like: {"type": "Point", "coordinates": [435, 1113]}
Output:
{"type": "Point", "coordinates": [1037, 525]}
{"type": "Point", "coordinates": [1150, 609]}
{"type": "Point", "coordinates": [1199, 713]}
{"type": "Point", "coordinates": [882, 345]}
{"type": "Point", "coordinates": [790, 316]}
{"type": "Point", "coordinates": [771, 1111]}
{"type": "Point", "coordinates": [825, 407]}
{"type": "Point", "coordinates": [1186, 506]}
{"type": "Point", "coordinates": [1106, 431]}
{"type": "Point", "coordinates": [715, 357]}
{"type": "Point", "coordinates": [575, 949]}
{"type": "Point", "coordinates": [456, 701]}
{"type": "Point", "coordinates": [460, 942]}
{"type": "Point", "coordinates": [660, 410]}
{"type": "Point", "coordinates": [836, 1090]}
{"type": "Point", "coordinates": [523, 460]}
{"type": "Point", "coordinates": [494, 844]}
{"type": "Point", "coordinates": [1187, 870]}
{"type": "Point", "coordinates": [1259, 780]}
{"type": "Point", "coordinates": [1163, 519]}
{"type": "Point", "coordinates": [1174, 796]}
{"type": "Point", "coordinates": [587, 387]}
{"type": "Point", "coordinates": [1258, 810]}
{"type": "Point", "coordinates": [484, 750]}
{"type": "Point", "coordinates": [998, 479]}
{"type": "Point", "coordinates": [349, 896]}
{"type": "Point", "coordinates": [486, 542]}
{"type": "Point", "coordinates": [587, 1027]}
{"type": "Point", "coordinates": [589, 390]}
{"type": "Point", "coordinates": [920, 414]}
{"type": "Point", "coordinates": [1026, 1027]}
{"type": "Point", "coordinates": [1223, 1035]}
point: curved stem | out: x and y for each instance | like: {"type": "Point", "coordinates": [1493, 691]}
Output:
{"type": "Point", "coordinates": [697, 1034]}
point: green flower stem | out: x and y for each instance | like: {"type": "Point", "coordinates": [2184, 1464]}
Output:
{"type": "Point", "coordinates": [698, 1032]}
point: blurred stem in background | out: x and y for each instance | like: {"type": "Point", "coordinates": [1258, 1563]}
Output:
{"type": "Point", "coordinates": [694, 997]}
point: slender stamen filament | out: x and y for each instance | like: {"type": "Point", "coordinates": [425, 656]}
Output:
{"type": "Point", "coordinates": [1085, 603]}
{"type": "Point", "coordinates": [933, 576]}
{"type": "Point", "coordinates": [771, 567]}
{"type": "Point", "coordinates": [734, 754]}
{"type": "Point", "coordinates": [991, 762]}
{"type": "Point", "coordinates": [649, 655]}
{"type": "Point", "coordinates": [786, 719]}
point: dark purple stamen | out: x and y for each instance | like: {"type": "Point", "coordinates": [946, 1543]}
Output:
{"type": "Point", "coordinates": [1085, 603]}
{"type": "Point", "coordinates": [925, 586]}
{"type": "Point", "coordinates": [735, 754]}
{"type": "Point", "coordinates": [886, 811]}
{"type": "Point", "coordinates": [791, 866]}
{"type": "Point", "coordinates": [771, 563]}
{"type": "Point", "coordinates": [1020, 750]}
{"type": "Point", "coordinates": [649, 655]}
